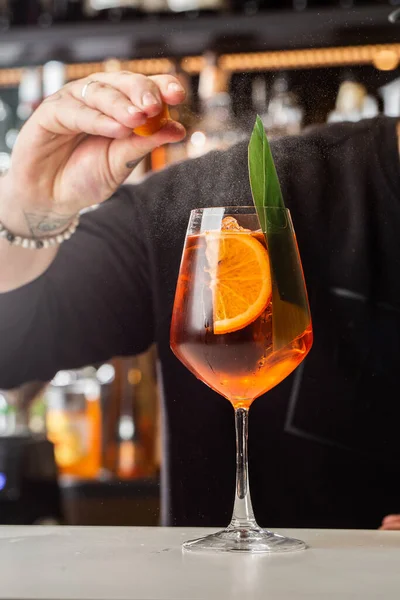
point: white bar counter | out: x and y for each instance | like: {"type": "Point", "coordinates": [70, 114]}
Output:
{"type": "Point", "coordinates": [82, 563]}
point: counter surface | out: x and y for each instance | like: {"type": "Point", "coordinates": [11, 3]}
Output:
{"type": "Point", "coordinates": [148, 564]}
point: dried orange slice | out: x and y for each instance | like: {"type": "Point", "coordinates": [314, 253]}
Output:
{"type": "Point", "coordinates": [240, 279]}
{"type": "Point", "coordinates": [153, 124]}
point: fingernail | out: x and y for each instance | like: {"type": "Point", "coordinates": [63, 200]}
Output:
{"type": "Point", "coordinates": [134, 110]}
{"type": "Point", "coordinates": [149, 99]}
{"type": "Point", "coordinates": [175, 87]}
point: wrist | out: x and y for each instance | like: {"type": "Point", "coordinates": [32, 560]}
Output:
{"type": "Point", "coordinates": [37, 243]}
{"type": "Point", "coordinates": [32, 221]}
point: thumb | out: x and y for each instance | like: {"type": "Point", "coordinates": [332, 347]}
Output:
{"type": "Point", "coordinates": [126, 153]}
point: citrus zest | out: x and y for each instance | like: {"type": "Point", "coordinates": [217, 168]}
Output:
{"type": "Point", "coordinates": [154, 124]}
{"type": "Point", "coordinates": [240, 274]}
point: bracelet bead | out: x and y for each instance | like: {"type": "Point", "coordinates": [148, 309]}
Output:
{"type": "Point", "coordinates": [38, 243]}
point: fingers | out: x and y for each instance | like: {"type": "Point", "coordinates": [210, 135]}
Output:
{"type": "Point", "coordinates": [65, 115]}
{"type": "Point", "coordinates": [391, 522]}
{"type": "Point", "coordinates": [170, 88]}
{"type": "Point", "coordinates": [111, 102]}
{"type": "Point", "coordinates": [124, 154]}
{"type": "Point", "coordinates": [145, 93]}
{"type": "Point", "coordinates": [110, 105]}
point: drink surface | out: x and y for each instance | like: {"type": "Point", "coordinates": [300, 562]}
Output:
{"type": "Point", "coordinates": [242, 364]}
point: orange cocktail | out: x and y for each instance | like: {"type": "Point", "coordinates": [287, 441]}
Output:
{"type": "Point", "coordinates": [227, 274]}
{"type": "Point", "coordinates": [241, 324]}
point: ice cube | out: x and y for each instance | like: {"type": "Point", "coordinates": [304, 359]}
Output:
{"type": "Point", "coordinates": [230, 224]}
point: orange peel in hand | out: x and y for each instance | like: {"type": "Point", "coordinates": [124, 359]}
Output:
{"type": "Point", "coordinates": [154, 124]}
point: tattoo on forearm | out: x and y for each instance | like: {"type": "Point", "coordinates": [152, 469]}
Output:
{"type": "Point", "coordinates": [132, 164]}
{"type": "Point", "coordinates": [42, 224]}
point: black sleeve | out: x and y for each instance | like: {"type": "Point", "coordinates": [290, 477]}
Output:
{"type": "Point", "coordinates": [94, 302]}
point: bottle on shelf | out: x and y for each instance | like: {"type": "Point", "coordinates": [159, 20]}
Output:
{"type": "Point", "coordinates": [73, 422]}
{"type": "Point", "coordinates": [391, 98]}
{"type": "Point", "coordinates": [190, 7]}
{"type": "Point", "coordinates": [129, 447]}
{"type": "Point", "coordinates": [196, 6]}
{"type": "Point", "coordinates": [285, 114]}
{"type": "Point", "coordinates": [353, 103]}
{"type": "Point", "coordinates": [111, 10]}
{"type": "Point", "coordinates": [7, 415]}
{"type": "Point", "coordinates": [153, 7]}
{"type": "Point", "coordinates": [54, 77]}
{"type": "Point", "coordinates": [133, 418]}
{"type": "Point", "coordinates": [217, 127]}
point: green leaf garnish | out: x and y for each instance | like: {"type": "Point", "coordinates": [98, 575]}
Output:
{"type": "Point", "coordinates": [264, 182]}
{"type": "Point", "coordinates": [289, 300]}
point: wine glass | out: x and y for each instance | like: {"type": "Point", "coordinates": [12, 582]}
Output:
{"type": "Point", "coordinates": [241, 323]}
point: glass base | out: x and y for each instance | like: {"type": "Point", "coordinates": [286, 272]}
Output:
{"type": "Point", "coordinates": [242, 539]}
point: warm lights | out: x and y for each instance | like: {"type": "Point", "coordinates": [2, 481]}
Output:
{"type": "Point", "coordinates": [386, 60]}
{"type": "Point", "coordinates": [198, 139]}
{"type": "Point", "coordinates": [384, 57]}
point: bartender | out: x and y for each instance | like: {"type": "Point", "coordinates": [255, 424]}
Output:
{"type": "Point", "coordinates": [79, 289]}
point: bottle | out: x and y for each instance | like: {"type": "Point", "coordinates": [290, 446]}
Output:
{"type": "Point", "coordinates": [153, 7]}
{"type": "Point", "coordinates": [111, 10]}
{"type": "Point", "coordinates": [54, 76]}
{"type": "Point", "coordinates": [350, 101]}
{"type": "Point", "coordinates": [73, 422]}
{"type": "Point", "coordinates": [391, 98]}
{"type": "Point", "coordinates": [7, 415]}
{"type": "Point", "coordinates": [285, 115]}
{"type": "Point", "coordinates": [194, 6]}
{"type": "Point", "coordinates": [217, 127]}
{"type": "Point", "coordinates": [129, 450]}
{"type": "Point", "coordinates": [137, 423]}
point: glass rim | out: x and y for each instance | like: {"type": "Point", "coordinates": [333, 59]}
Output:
{"type": "Point", "coordinates": [233, 208]}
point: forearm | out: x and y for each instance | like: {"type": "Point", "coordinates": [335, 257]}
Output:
{"type": "Point", "coordinates": [20, 266]}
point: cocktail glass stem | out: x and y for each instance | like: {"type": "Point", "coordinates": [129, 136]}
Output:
{"type": "Point", "coordinates": [243, 515]}
{"type": "Point", "coordinates": [243, 534]}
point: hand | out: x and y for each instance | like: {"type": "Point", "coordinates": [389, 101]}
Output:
{"type": "Point", "coordinates": [75, 151]}
{"type": "Point", "coordinates": [390, 522]}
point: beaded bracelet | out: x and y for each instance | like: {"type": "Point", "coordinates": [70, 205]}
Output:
{"type": "Point", "coordinates": [38, 243]}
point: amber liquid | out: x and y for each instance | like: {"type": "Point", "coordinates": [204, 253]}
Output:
{"type": "Point", "coordinates": [241, 365]}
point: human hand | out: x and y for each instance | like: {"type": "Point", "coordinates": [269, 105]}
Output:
{"type": "Point", "coordinates": [391, 522]}
{"type": "Point", "coordinates": [79, 146]}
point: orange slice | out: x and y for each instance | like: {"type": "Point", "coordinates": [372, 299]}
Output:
{"type": "Point", "coordinates": [240, 279]}
{"type": "Point", "coordinates": [153, 124]}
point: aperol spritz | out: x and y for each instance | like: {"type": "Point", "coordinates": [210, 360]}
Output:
{"type": "Point", "coordinates": [241, 323]}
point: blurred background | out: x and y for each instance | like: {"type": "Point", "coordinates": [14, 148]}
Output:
{"type": "Point", "coordinates": [85, 447]}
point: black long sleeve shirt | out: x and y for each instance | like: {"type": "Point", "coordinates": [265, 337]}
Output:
{"type": "Point", "coordinates": [324, 444]}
